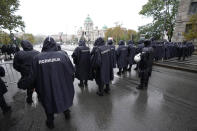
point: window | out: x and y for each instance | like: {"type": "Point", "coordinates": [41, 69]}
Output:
{"type": "Point", "coordinates": [193, 8]}
{"type": "Point", "coordinates": [188, 27]}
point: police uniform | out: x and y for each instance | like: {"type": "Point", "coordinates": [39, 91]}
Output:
{"type": "Point", "coordinates": [145, 65]}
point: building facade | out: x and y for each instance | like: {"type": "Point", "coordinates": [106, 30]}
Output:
{"type": "Point", "coordinates": [185, 10]}
{"type": "Point", "coordinates": [89, 32]}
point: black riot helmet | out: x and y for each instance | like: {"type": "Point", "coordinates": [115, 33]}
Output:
{"type": "Point", "coordinates": [147, 43]}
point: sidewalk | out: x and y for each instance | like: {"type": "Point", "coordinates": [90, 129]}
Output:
{"type": "Point", "coordinates": [190, 64]}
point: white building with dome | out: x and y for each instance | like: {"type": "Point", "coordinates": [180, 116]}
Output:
{"type": "Point", "coordinates": [89, 32]}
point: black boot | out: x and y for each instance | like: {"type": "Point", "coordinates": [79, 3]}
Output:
{"type": "Point", "coordinates": [124, 69]}
{"type": "Point", "coordinates": [119, 72]}
{"type": "Point", "coordinates": [29, 96]}
{"type": "Point", "coordinates": [50, 124]}
{"type": "Point", "coordinates": [107, 89]}
{"type": "Point", "coordinates": [49, 121]}
{"type": "Point", "coordinates": [29, 101]}
{"type": "Point", "coordinates": [100, 92]}
{"type": "Point", "coordinates": [67, 114]}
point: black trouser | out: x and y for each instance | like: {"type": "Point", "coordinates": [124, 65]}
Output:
{"type": "Point", "coordinates": [50, 117]}
{"type": "Point", "coordinates": [122, 70]}
{"type": "Point", "coordinates": [107, 87]}
{"type": "Point", "coordinates": [29, 94]}
{"type": "Point", "coordinates": [83, 82]}
{"type": "Point", "coordinates": [3, 104]}
{"type": "Point", "coordinates": [137, 66]}
{"type": "Point", "coordinates": [101, 86]}
{"type": "Point", "coordinates": [130, 66]}
{"type": "Point", "coordinates": [144, 80]}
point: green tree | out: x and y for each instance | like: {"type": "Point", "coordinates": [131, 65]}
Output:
{"type": "Point", "coordinates": [4, 38]}
{"type": "Point", "coordinates": [132, 34]}
{"type": "Point", "coordinates": [8, 19]}
{"type": "Point", "coordinates": [163, 18]}
{"type": "Point", "coordinates": [28, 37]}
{"type": "Point", "coordinates": [191, 34]}
{"type": "Point", "coordinates": [118, 33]}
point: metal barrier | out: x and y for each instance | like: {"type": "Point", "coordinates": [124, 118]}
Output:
{"type": "Point", "coordinates": [11, 75]}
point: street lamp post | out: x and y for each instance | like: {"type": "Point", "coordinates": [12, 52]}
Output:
{"type": "Point", "coordinates": [88, 35]}
{"type": "Point", "coordinates": [164, 30]}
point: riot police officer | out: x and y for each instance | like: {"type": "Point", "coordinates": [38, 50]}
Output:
{"type": "Point", "coordinates": [131, 54]}
{"type": "Point", "coordinates": [122, 57]}
{"type": "Point", "coordinates": [101, 64]}
{"type": "Point", "coordinates": [22, 63]}
{"type": "Point", "coordinates": [145, 65]}
{"type": "Point", "coordinates": [53, 75]}
{"type": "Point", "coordinates": [81, 59]}
{"type": "Point", "coordinates": [113, 53]}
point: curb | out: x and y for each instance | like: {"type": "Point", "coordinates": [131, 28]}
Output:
{"type": "Point", "coordinates": [176, 67]}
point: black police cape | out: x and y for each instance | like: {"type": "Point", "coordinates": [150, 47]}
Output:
{"type": "Point", "coordinates": [23, 62]}
{"type": "Point", "coordinates": [3, 88]}
{"type": "Point", "coordinates": [81, 58]}
{"type": "Point", "coordinates": [131, 53]}
{"type": "Point", "coordinates": [112, 53]}
{"type": "Point", "coordinates": [122, 55]}
{"type": "Point", "coordinates": [100, 61]}
{"type": "Point", "coordinates": [53, 78]}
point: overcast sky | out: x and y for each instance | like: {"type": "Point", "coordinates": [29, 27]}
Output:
{"type": "Point", "coordinates": [53, 16]}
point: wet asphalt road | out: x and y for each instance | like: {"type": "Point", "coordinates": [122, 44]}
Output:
{"type": "Point", "coordinates": [169, 104]}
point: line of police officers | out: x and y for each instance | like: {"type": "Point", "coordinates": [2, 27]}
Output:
{"type": "Point", "coordinates": [51, 73]}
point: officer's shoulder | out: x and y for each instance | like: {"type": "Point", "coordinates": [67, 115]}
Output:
{"type": "Point", "coordinates": [20, 53]}
{"type": "Point", "coordinates": [35, 51]}
{"type": "Point", "coordinates": [61, 52]}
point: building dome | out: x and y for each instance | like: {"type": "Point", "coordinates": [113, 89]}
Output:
{"type": "Point", "coordinates": [104, 27]}
{"type": "Point", "coordinates": [88, 19]}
